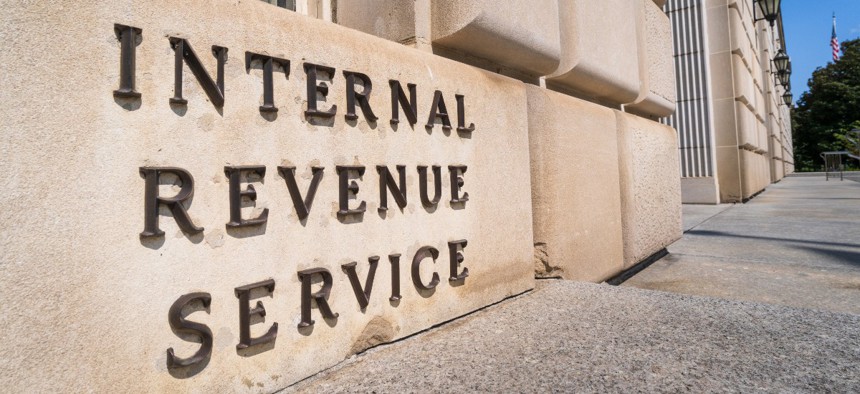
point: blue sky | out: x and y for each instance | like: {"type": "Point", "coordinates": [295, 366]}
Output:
{"type": "Point", "coordinates": [807, 25]}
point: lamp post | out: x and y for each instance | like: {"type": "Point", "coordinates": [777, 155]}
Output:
{"type": "Point", "coordinates": [769, 10]}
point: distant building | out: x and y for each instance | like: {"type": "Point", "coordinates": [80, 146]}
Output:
{"type": "Point", "coordinates": [733, 123]}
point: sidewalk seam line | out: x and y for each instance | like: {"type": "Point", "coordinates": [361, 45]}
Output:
{"type": "Point", "coordinates": [709, 218]}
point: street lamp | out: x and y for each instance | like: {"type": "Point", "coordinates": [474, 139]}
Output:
{"type": "Point", "coordinates": [785, 78]}
{"type": "Point", "coordinates": [787, 98]}
{"type": "Point", "coordinates": [768, 8]}
{"type": "Point", "coordinates": [781, 61]}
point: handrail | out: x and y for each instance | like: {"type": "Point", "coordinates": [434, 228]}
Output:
{"type": "Point", "coordinates": [833, 163]}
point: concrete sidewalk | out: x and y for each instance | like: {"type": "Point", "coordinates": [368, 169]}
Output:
{"type": "Point", "coordinates": [793, 251]}
{"type": "Point", "coordinates": [796, 244]}
{"type": "Point", "coordinates": [581, 337]}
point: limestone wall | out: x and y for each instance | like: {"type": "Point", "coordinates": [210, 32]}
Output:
{"type": "Point", "coordinates": [228, 153]}
{"type": "Point", "coordinates": [576, 189]}
{"type": "Point", "coordinates": [749, 118]}
{"type": "Point", "coordinates": [94, 293]}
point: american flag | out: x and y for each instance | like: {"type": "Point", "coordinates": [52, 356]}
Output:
{"type": "Point", "coordinates": [834, 42]}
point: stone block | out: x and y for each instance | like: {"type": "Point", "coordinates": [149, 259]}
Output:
{"type": "Point", "coordinates": [389, 19]}
{"type": "Point", "coordinates": [749, 173]}
{"type": "Point", "coordinates": [522, 35]}
{"type": "Point", "coordinates": [599, 50]}
{"type": "Point", "coordinates": [754, 177]}
{"type": "Point", "coordinates": [725, 123]}
{"type": "Point", "coordinates": [575, 187]}
{"type": "Point", "coordinates": [747, 126]}
{"type": "Point", "coordinates": [744, 9]}
{"type": "Point", "coordinates": [780, 170]}
{"type": "Point", "coordinates": [657, 95]}
{"type": "Point", "coordinates": [718, 29]}
{"type": "Point", "coordinates": [650, 186]}
{"type": "Point", "coordinates": [722, 83]}
{"type": "Point", "coordinates": [743, 82]}
{"type": "Point", "coordinates": [729, 173]}
{"type": "Point", "coordinates": [702, 190]}
{"type": "Point", "coordinates": [89, 296]}
{"type": "Point", "coordinates": [762, 133]}
{"type": "Point", "coordinates": [760, 109]}
{"type": "Point", "coordinates": [740, 43]}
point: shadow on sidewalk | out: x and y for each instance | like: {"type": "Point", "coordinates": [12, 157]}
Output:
{"type": "Point", "coordinates": [802, 241]}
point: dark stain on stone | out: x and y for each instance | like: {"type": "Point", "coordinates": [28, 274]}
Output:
{"type": "Point", "coordinates": [376, 332]}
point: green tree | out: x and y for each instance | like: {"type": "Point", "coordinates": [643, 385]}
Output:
{"type": "Point", "coordinates": [826, 114]}
{"type": "Point", "coordinates": [850, 139]}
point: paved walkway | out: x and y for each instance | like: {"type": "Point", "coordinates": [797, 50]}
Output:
{"type": "Point", "coordinates": [796, 244]}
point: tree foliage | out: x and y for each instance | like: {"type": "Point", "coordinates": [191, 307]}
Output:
{"type": "Point", "coordinates": [826, 114]}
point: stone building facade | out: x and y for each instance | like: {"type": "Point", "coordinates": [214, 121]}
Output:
{"type": "Point", "coordinates": [580, 61]}
{"type": "Point", "coordinates": [234, 195]}
{"type": "Point", "coordinates": [733, 125]}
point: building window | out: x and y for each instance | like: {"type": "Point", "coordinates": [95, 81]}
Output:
{"type": "Point", "coordinates": [320, 9]}
{"type": "Point", "coordinates": [288, 4]}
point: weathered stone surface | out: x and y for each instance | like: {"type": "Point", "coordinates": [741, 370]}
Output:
{"type": "Point", "coordinates": [89, 298]}
{"type": "Point", "coordinates": [522, 35]}
{"type": "Point", "coordinates": [575, 187]}
{"type": "Point", "coordinates": [657, 94]}
{"type": "Point", "coordinates": [650, 186]}
{"type": "Point", "coordinates": [599, 50]}
{"type": "Point", "coordinates": [376, 332]}
{"type": "Point", "coordinates": [390, 19]}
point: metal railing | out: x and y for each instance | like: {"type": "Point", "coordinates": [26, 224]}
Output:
{"type": "Point", "coordinates": [833, 163]}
